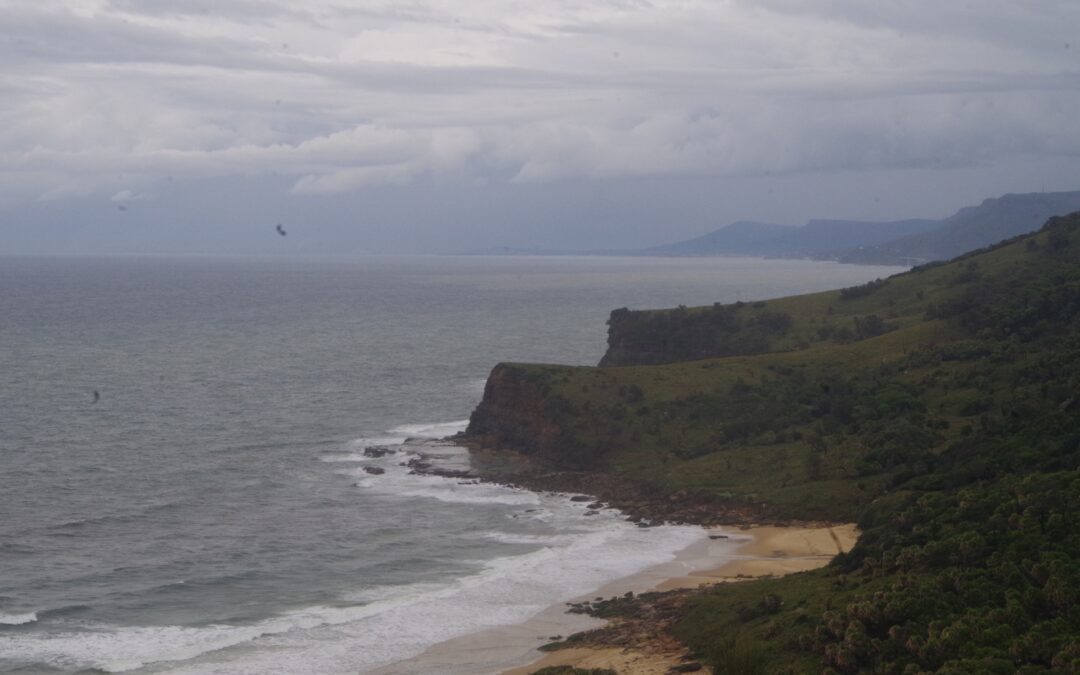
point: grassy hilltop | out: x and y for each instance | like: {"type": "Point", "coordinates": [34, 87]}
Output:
{"type": "Point", "coordinates": [940, 408]}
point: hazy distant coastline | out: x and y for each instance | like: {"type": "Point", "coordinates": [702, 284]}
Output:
{"type": "Point", "coordinates": [901, 242]}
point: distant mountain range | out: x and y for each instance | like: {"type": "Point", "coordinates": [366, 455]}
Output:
{"type": "Point", "coordinates": [818, 238]}
{"type": "Point", "coordinates": [900, 242]}
{"type": "Point", "coordinates": [970, 228]}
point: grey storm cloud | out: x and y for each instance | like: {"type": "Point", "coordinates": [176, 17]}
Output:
{"type": "Point", "coordinates": [108, 96]}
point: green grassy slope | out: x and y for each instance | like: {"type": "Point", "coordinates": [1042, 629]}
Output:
{"type": "Point", "coordinates": [949, 427]}
{"type": "Point", "coordinates": [861, 388]}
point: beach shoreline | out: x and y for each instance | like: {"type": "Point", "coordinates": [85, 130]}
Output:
{"type": "Point", "coordinates": [723, 555]}
{"type": "Point", "coordinates": [760, 551]}
{"type": "Point", "coordinates": [734, 546]}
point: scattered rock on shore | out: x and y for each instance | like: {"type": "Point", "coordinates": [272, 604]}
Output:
{"type": "Point", "coordinates": [378, 451]}
{"type": "Point", "coordinates": [450, 473]}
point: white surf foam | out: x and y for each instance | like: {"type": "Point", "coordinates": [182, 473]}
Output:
{"type": "Point", "coordinates": [397, 478]}
{"type": "Point", "coordinates": [508, 591]}
{"type": "Point", "coordinates": [395, 623]}
{"type": "Point", "coordinates": [431, 431]}
{"type": "Point", "coordinates": [18, 619]}
{"type": "Point", "coordinates": [343, 457]}
{"type": "Point", "coordinates": [453, 490]}
{"type": "Point", "coordinates": [366, 441]}
{"type": "Point", "coordinates": [396, 437]}
{"type": "Point", "coordinates": [398, 623]}
{"type": "Point", "coordinates": [518, 538]}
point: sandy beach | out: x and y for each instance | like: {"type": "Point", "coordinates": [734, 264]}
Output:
{"type": "Point", "coordinates": [772, 551]}
{"type": "Point", "coordinates": [760, 552]}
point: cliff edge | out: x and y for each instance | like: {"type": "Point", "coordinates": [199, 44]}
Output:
{"type": "Point", "coordinates": [520, 411]}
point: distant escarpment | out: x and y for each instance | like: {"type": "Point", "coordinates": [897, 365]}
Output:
{"type": "Point", "coordinates": [902, 242]}
{"type": "Point", "coordinates": [970, 228]}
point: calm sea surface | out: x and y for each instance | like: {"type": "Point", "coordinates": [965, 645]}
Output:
{"type": "Point", "coordinates": [210, 512]}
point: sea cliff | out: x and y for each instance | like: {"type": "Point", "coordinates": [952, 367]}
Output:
{"type": "Point", "coordinates": [518, 411]}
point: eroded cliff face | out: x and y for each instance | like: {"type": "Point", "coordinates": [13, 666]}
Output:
{"type": "Point", "coordinates": [519, 412]}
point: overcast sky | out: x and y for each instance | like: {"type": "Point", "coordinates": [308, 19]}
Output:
{"type": "Point", "coordinates": [431, 125]}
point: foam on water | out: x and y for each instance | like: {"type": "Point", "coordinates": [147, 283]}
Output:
{"type": "Point", "coordinates": [397, 436]}
{"type": "Point", "coordinates": [400, 434]}
{"type": "Point", "coordinates": [432, 431]}
{"type": "Point", "coordinates": [514, 538]}
{"type": "Point", "coordinates": [18, 619]}
{"type": "Point", "coordinates": [398, 478]}
{"type": "Point", "coordinates": [399, 623]}
{"type": "Point", "coordinates": [446, 489]}
{"type": "Point", "coordinates": [117, 649]}
{"type": "Point", "coordinates": [508, 591]}
{"type": "Point", "coordinates": [383, 625]}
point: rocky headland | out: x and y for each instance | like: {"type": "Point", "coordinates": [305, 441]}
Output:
{"type": "Point", "coordinates": [936, 408]}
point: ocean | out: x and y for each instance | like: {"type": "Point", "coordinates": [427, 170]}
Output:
{"type": "Point", "coordinates": [185, 488]}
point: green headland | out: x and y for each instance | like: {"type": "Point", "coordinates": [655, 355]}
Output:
{"type": "Point", "coordinates": [939, 408]}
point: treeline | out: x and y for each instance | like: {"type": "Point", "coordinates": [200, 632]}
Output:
{"type": "Point", "coordinates": [970, 561]}
{"type": "Point", "coordinates": [650, 337]}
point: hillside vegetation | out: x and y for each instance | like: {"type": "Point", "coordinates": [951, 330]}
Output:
{"type": "Point", "coordinates": [940, 408]}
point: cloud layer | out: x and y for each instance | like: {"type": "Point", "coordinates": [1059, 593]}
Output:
{"type": "Point", "coordinates": [111, 96]}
